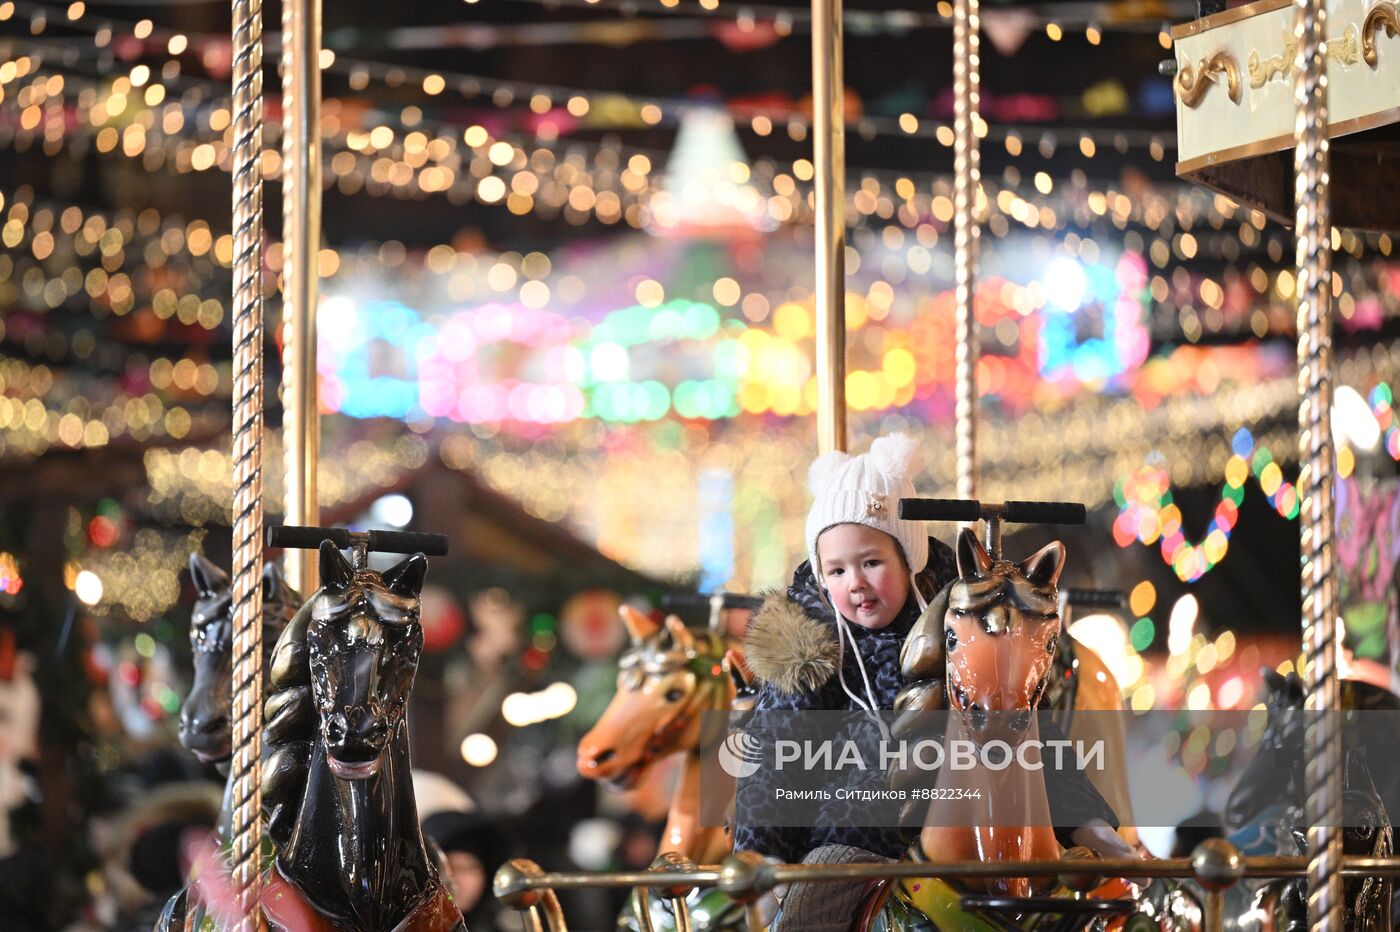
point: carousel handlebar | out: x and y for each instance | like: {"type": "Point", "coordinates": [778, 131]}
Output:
{"type": "Point", "coordinates": [954, 509]}
{"type": "Point", "coordinates": [1095, 598]}
{"type": "Point", "coordinates": [939, 509]}
{"type": "Point", "coordinates": [682, 600]}
{"type": "Point", "coordinates": [309, 538]}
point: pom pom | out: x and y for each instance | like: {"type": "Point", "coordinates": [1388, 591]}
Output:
{"type": "Point", "coordinates": [824, 469]}
{"type": "Point", "coordinates": [897, 456]}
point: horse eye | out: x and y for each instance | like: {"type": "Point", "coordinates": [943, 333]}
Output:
{"type": "Point", "coordinates": [951, 639]}
{"type": "Point", "coordinates": [1053, 643]}
{"type": "Point", "coordinates": [674, 695]}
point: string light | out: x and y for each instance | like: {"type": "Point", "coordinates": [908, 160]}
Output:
{"type": "Point", "coordinates": [1148, 515]}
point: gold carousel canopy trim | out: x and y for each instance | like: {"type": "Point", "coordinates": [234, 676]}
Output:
{"type": "Point", "coordinates": [1238, 140]}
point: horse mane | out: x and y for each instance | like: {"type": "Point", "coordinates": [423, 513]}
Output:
{"type": "Point", "coordinates": [289, 728]}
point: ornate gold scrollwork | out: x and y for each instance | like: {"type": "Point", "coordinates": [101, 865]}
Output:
{"type": "Point", "coordinates": [1341, 49]}
{"type": "Point", "coordinates": [1261, 70]}
{"type": "Point", "coordinates": [1383, 15]}
{"type": "Point", "coordinates": [1192, 83]}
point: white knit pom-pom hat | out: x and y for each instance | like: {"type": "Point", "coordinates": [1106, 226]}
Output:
{"type": "Point", "coordinates": [866, 489]}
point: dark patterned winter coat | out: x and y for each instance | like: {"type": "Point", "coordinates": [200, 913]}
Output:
{"type": "Point", "coordinates": [796, 665]}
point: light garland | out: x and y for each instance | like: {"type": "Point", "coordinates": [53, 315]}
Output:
{"type": "Point", "coordinates": [560, 107]}
{"type": "Point", "coordinates": [191, 485]}
{"type": "Point", "coordinates": [1147, 514]}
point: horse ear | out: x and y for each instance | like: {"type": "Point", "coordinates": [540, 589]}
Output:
{"type": "Point", "coordinates": [1043, 567]}
{"type": "Point", "coordinates": [336, 573]}
{"type": "Point", "coordinates": [639, 626]}
{"type": "Point", "coordinates": [274, 582]}
{"type": "Point", "coordinates": [1273, 679]}
{"type": "Point", "coordinates": [680, 634]}
{"type": "Point", "coordinates": [734, 663]}
{"type": "Point", "coordinates": [208, 579]}
{"type": "Point", "coordinates": [407, 577]}
{"type": "Point", "coordinates": [973, 559]}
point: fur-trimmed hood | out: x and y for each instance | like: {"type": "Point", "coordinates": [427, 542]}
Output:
{"type": "Point", "coordinates": [787, 649]}
{"type": "Point", "coordinates": [791, 644]}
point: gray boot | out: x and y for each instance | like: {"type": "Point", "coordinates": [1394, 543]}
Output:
{"type": "Point", "coordinates": [826, 907]}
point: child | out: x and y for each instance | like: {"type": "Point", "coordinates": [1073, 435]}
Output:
{"type": "Point", "coordinates": [832, 643]}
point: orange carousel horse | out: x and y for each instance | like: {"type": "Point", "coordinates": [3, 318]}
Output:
{"type": "Point", "coordinates": [985, 651]}
{"type": "Point", "coordinates": [668, 678]}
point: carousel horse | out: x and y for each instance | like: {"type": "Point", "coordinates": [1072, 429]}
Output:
{"type": "Point", "coordinates": [205, 715]}
{"type": "Point", "coordinates": [985, 652]}
{"type": "Point", "coordinates": [336, 788]}
{"type": "Point", "coordinates": [1264, 813]}
{"type": "Point", "coordinates": [668, 677]}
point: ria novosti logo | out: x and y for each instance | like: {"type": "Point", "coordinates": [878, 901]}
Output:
{"type": "Point", "coordinates": [740, 755]}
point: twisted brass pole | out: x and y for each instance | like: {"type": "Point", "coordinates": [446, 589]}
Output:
{"type": "Point", "coordinates": [829, 161]}
{"type": "Point", "coordinates": [247, 456]}
{"type": "Point", "coordinates": [1316, 473]}
{"type": "Point", "coordinates": [966, 176]}
{"type": "Point", "coordinates": [301, 241]}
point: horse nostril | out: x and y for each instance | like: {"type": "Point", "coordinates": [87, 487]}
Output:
{"type": "Point", "coordinates": [602, 757]}
{"type": "Point", "coordinates": [378, 731]}
{"type": "Point", "coordinates": [1020, 722]}
{"type": "Point", "coordinates": [335, 729]}
{"type": "Point", "coordinates": [213, 725]}
{"type": "Point", "coordinates": [977, 716]}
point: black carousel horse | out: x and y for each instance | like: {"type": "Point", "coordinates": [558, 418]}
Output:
{"type": "Point", "coordinates": [206, 714]}
{"type": "Point", "coordinates": [1265, 814]}
{"type": "Point", "coordinates": [336, 787]}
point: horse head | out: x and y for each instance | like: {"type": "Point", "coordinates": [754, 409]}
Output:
{"type": "Point", "coordinates": [666, 677]}
{"type": "Point", "coordinates": [363, 642]}
{"type": "Point", "coordinates": [205, 715]}
{"type": "Point", "coordinates": [1001, 631]}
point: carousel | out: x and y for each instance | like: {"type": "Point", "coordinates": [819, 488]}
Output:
{"type": "Point", "coordinates": [305, 660]}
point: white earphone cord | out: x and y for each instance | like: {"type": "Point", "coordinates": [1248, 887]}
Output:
{"type": "Point", "coordinates": [843, 632]}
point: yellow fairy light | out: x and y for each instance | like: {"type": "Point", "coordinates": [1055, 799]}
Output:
{"type": "Point", "coordinates": [1142, 598]}
{"type": "Point", "coordinates": [727, 292]}
{"type": "Point", "coordinates": [501, 153]}
{"type": "Point", "coordinates": [650, 293]}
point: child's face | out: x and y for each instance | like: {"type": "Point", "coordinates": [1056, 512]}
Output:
{"type": "Point", "coordinates": [864, 573]}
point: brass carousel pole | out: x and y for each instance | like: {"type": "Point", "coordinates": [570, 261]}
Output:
{"type": "Point", "coordinates": [1316, 472]}
{"type": "Point", "coordinates": [247, 457]}
{"type": "Point", "coordinates": [829, 160]}
{"type": "Point", "coordinates": [301, 240]}
{"type": "Point", "coordinates": [966, 177]}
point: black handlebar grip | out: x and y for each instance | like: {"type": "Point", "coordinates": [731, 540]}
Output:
{"type": "Point", "coordinates": [430, 545]}
{"type": "Point", "coordinates": [309, 538]}
{"type": "Point", "coordinates": [939, 509]}
{"type": "Point", "coordinates": [1045, 513]}
{"type": "Point", "coordinates": [700, 600]}
{"type": "Point", "coordinates": [1096, 598]}
{"type": "Point", "coordinates": [306, 538]}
